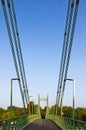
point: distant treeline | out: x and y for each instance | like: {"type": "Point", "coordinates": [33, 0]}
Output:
{"type": "Point", "coordinates": [17, 111]}
{"type": "Point", "coordinates": [80, 113]}
{"type": "Point", "coordinates": [5, 114]}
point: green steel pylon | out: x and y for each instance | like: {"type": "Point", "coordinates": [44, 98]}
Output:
{"type": "Point", "coordinates": [38, 104]}
{"type": "Point", "coordinates": [47, 107]}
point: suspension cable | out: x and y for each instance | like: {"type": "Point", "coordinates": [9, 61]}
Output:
{"type": "Point", "coordinates": [19, 46]}
{"type": "Point", "coordinates": [67, 46]}
{"type": "Point", "coordinates": [65, 43]}
{"type": "Point", "coordinates": [70, 45]}
{"type": "Point", "coordinates": [12, 47]}
{"type": "Point", "coordinates": [67, 17]}
{"type": "Point", "coordinates": [16, 46]}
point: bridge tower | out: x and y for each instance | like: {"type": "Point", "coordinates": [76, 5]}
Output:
{"type": "Point", "coordinates": [47, 106]}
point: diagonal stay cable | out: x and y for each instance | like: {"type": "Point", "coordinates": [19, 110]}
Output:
{"type": "Point", "coordinates": [12, 47]}
{"type": "Point", "coordinates": [16, 46]}
{"type": "Point", "coordinates": [63, 50]}
{"type": "Point", "coordinates": [65, 44]}
{"type": "Point", "coordinates": [19, 46]}
{"type": "Point", "coordinates": [67, 17]}
{"type": "Point", "coordinates": [70, 45]}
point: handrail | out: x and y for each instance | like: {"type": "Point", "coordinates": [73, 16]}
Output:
{"type": "Point", "coordinates": [74, 124]}
{"type": "Point", "coordinates": [13, 124]}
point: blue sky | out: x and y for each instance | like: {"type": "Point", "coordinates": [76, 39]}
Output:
{"type": "Point", "coordinates": [41, 26]}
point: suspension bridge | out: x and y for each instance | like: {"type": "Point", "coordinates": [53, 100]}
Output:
{"type": "Point", "coordinates": [32, 120]}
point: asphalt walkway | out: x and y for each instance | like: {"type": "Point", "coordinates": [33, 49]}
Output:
{"type": "Point", "coordinates": [42, 124]}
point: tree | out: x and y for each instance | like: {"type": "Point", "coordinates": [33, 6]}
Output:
{"type": "Point", "coordinates": [67, 111]}
{"type": "Point", "coordinates": [2, 110]}
{"type": "Point", "coordinates": [80, 114]}
{"type": "Point", "coordinates": [6, 115]}
{"type": "Point", "coordinates": [0, 116]}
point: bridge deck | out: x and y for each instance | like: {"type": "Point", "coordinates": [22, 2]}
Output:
{"type": "Point", "coordinates": [42, 124]}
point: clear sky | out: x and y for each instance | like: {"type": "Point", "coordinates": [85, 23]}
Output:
{"type": "Point", "coordinates": [41, 26]}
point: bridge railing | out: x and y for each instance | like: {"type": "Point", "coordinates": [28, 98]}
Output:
{"type": "Point", "coordinates": [13, 124]}
{"type": "Point", "coordinates": [74, 124]}
{"type": "Point", "coordinates": [68, 123]}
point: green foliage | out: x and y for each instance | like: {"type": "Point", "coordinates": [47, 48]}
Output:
{"type": "Point", "coordinates": [16, 111]}
{"type": "Point", "coordinates": [32, 108]}
{"type": "Point", "coordinates": [0, 116]}
{"type": "Point", "coordinates": [58, 111]}
{"type": "Point", "coordinates": [6, 115]}
{"type": "Point", "coordinates": [80, 114]}
{"type": "Point", "coordinates": [67, 111]}
{"type": "Point", "coordinates": [2, 110]}
{"type": "Point", "coordinates": [36, 109]}
{"type": "Point", "coordinates": [52, 110]}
